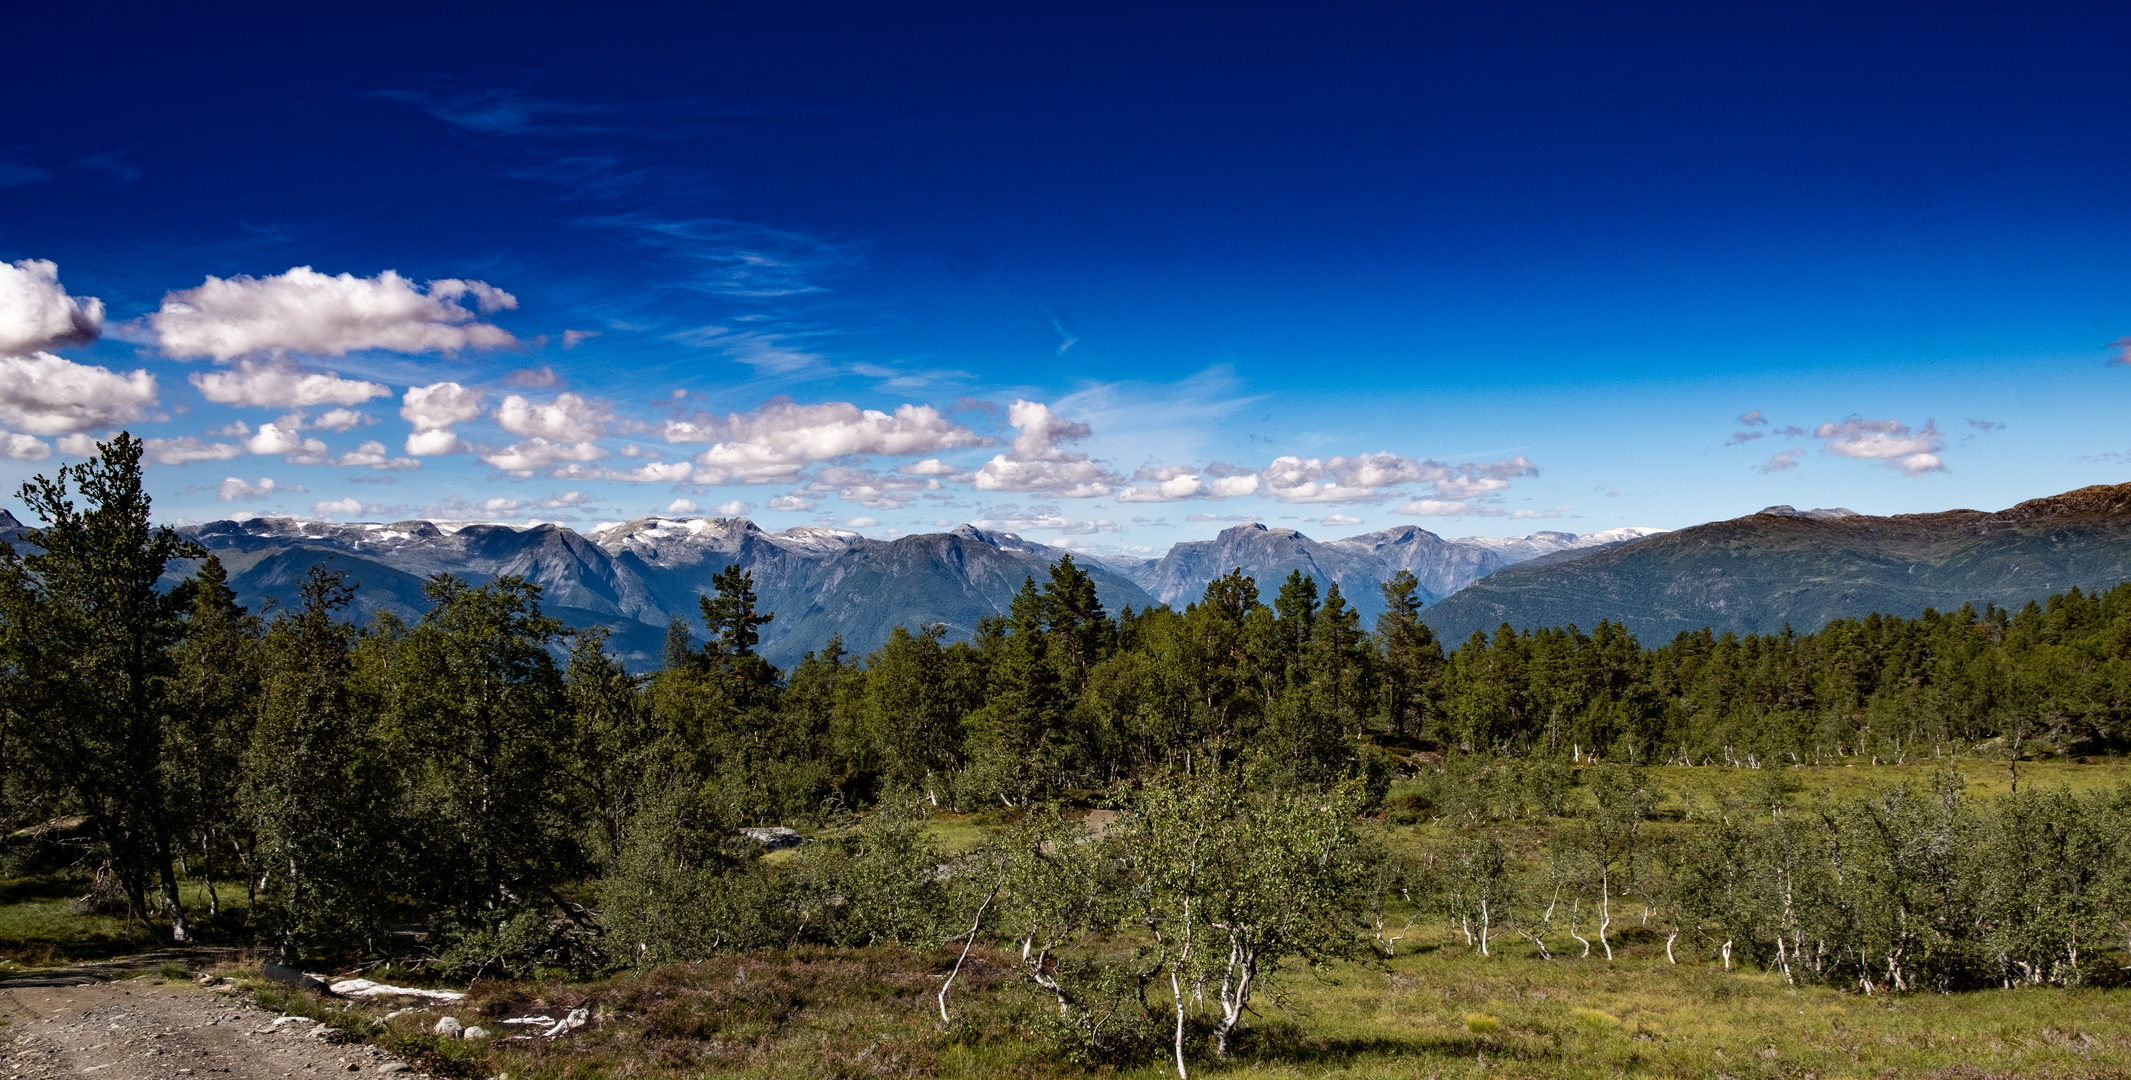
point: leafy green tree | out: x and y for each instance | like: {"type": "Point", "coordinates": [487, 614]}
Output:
{"type": "Point", "coordinates": [884, 875]}
{"type": "Point", "coordinates": [1231, 884]}
{"type": "Point", "coordinates": [1479, 889]}
{"type": "Point", "coordinates": [1295, 617]}
{"type": "Point", "coordinates": [318, 792]}
{"type": "Point", "coordinates": [214, 691]}
{"type": "Point", "coordinates": [1613, 835]}
{"type": "Point", "coordinates": [480, 719]}
{"type": "Point", "coordinates": [2043, 884]}
{"type": "Point", "coordinates": [86, 635]}
{"type": "Point", "coordinates": [614, 740]}
{"type": "Point", "coordinates": [685, 887]}
{"type": "Point", "coordinates": [911, 708]}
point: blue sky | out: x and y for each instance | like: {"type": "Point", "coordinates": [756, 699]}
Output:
{"type": "Point", "coordinates": [1486, 268]}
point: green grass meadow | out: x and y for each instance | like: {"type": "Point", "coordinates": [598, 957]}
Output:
{"type": "Point", "coordinates": [1434, 1009]}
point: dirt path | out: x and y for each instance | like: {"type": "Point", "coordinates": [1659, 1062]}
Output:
{"type": "Point", "coordinates": [137, 1030]}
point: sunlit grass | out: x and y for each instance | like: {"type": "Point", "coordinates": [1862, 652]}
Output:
{"type": "Point", "coordinates": [39, 927]}
{"type": "Point", "coordinates": [1439, 1010]}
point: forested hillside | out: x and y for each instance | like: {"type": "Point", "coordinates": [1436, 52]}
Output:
{"type": "Point", "coordinates": [1785, 568]}
{"type": "Point", "coordinates": [1256, 753]}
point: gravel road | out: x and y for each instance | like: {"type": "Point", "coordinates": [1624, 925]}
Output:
{"type": "Point", "coordinates": [135, 1029]}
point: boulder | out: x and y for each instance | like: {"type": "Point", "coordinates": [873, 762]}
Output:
{"type": "Point", "coordinates": [449, 1027]}
{"type": "Point", "coordinates": [774, 837]}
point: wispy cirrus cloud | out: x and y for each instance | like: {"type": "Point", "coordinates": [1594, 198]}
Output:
{"type": "Point", "coordinates": [1782, 462]}
{"type": "Point", "coordinates": [769, 352]}
{"type": "Point", "coordinates": [504, 112]}
{"type": "Point", "coordinates": [737, 259]}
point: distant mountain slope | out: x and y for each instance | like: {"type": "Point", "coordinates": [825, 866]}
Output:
{"type": "Point", "coordinates": [1806, 568]}
{"type": "Point", "coordinates": [635, 576]}
{"type": "Point", "coordinates": [1359, 564]}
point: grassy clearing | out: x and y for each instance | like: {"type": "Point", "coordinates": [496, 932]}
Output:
{"type": "Point", "coordinates": [1986, 778]}
{"type": "Point", "coordinates": [1436, 1010]}
{"type": "Point", "coordinates": [1439, 1011]}
{"type": "Point", "coordinates": [39, 927]}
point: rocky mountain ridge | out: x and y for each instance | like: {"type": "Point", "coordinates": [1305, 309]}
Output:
{"type": "Point", "coordinates": [1359, 564]}
{"type": "Point", "coordinates": [636, 576]}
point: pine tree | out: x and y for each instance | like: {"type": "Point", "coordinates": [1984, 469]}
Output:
{"type": "Point", "coordinates": [1016, 733]}
{"type": "Point", "coordinates": [1413, 659]}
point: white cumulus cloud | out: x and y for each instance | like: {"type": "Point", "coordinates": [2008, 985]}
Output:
{"type": "Point", "coordinates": [1171, 483]}
{"type": "Point", "coordinates": [873, 490]}
{"type": "Point", "coordinates": [36, 312]}
{"type": "Point", "coordinates": [568, 418]}
{"type": "Point", "coordinates": [658, 472]}
{"type": "Point", "coordinates": [528, 456]}
{"type": "Point", "coordinates": [1045, 519]}
{"type": "Point", "coordinates": [236, 487]}
{"type": "Point", "coordinates": [342, 420]}
{"type": "Point", "coordinates": [1440, 508]}
{"type": "Point", "coordinates": [734, 509]}
{"type": "Point", "coordinates": [16, 447]}
{"type": "Point", "coordinates": [1371, 477]}
{"type": "Point", "coordinates": [327, 508]}
{"type": "Point", "coordinates": [331, 315]}
{"type": "Point", "coordinates": [937, 469]}
{"type": "Point", "coordinates": [180, 451]}
{"type": "Point", "coordinates": [776, 441]}
{"type": "Point", "coordinates": [1035, 462]}
{"type": "Point", "coordinates": [1788, 459]}
{"type": "Point", "coordinates": [1913, 453]}
{"type": "Point", "coordinates": [48, 395]}
{"type": "Point", "coordinates": [280, 383]}
{"type": "Point", "coordinates": [372, 454]}
{"type": "Point", "coordinates": [291, 446]}
{"type": "Point", "coordinates": [681, 506]}
{"type": "Point", "coordinates": [433, 409]}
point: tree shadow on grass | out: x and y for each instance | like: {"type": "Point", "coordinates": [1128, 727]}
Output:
{"type": "Point", "coordinates": [1284, 1042]}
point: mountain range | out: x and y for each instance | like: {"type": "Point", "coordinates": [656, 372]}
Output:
{"type": "Point", "coordinates": [1784, 567]}
{"type": "Point", "coordinates": [634, 577]}
{"type": "Point", "coordinates": [1358, 564]}
{"type": "Point", "coordinates": [1757, 573]}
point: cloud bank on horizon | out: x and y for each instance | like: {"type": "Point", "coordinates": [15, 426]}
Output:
{"type": "Point", "coordinates": [268, 333]}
